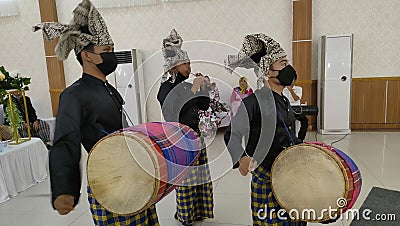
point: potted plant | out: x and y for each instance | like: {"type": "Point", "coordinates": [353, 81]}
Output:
{"type": "Point", "coordinates": [11, 83]}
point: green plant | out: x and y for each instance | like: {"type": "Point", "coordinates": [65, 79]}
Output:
{"type": "Point", "coordinates": [12, 82]}
{"type": "Point", "coordinates": [16, 123]}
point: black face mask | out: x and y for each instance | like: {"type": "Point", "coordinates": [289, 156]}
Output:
{"type": "Point", "coordinates": [109, 63]}
{"type": "Point", "coordinates": [286, 75]}
{"type": "Point", "coordinates": [180, 77]}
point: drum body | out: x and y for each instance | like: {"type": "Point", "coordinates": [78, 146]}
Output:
{"type": "Point", "coordinates": [311, 179]}
{"type": "Point", "coordinates": [134, 168]}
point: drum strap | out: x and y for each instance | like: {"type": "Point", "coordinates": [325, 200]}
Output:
{"type": "Point", "coordinates": [101, 130]}
{"type": "Point", "coordinates": [286, 128]}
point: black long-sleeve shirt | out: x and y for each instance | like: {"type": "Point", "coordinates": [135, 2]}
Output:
{"type": "Point", "coordinates": [88, 110]}
{"type": "Point", "coordinates": [258, 119]}
{"type": "Point", "coordinates": [179, 104]}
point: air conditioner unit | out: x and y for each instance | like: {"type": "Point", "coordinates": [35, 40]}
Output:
{"type": "Point", "coordinates": [334, 84]}
{"type": "Point", "coordinates": [130, 84]}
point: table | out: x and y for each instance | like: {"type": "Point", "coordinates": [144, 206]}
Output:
{"type": "Point", "coordinates": [21, 167]}
{"type": "Point", "coordinates": [225, 118]}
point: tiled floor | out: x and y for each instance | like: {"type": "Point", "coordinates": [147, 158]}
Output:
{"type": "Point", "coordinates": [376, 154]}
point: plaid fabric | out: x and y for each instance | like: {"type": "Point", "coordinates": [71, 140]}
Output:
{"type": "Point", "coordinates": [195, 198]}
{"type": "Point", "coordinates": [263, 201]}
{"type": "Point", "coordinates": [43, 132]}
{"type": "Point", "coordinates": [178, 142]}
{"type": "Point", "coordinates": [355, 180]}
{"type": "Point", "coordinates": [352, 171]}
{"type": "Point", "coordinates": [102, 217]}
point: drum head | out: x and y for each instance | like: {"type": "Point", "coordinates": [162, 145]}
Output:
{"type": "Point", "coordinates": [307, 177]}
{"type": "Point", "coordinates": [122, 171]}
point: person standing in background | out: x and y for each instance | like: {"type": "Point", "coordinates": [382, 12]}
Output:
{"type": "Point", "coordinates": [294, 94]}
{"type": "Point", "coordinates": [238, 94]}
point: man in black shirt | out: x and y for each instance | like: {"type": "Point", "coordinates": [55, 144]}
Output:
{"type": "Point", "coordinates": [180, 102]}
{"type": "Point", "coordinates": [266, 118]}
{"type": "Point", "coordinates": [89, 109]}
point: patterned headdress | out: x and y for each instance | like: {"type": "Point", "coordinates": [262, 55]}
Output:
{"type": "Point", "coordinates": [258, 51]}
{"type": "Point", "coordinates": [87, 27]}
{"type": "Point", "coordinates": [172, 52]}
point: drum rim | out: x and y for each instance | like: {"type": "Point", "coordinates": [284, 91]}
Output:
{"type": "Point", "coordinates": [152, 157]}
{"type": "Point", "coordinates": [337, 161]}
{"type": "Point", "coordinates": [351, 202]}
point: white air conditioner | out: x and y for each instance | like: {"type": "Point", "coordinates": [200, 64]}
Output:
{"type": "Point", "coordinates": [334, 84]}
{"type": "Point", "coordinates": [130, 84]}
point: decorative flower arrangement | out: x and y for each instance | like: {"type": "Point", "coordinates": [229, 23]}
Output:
{"type": "Point", "coordinates": [12, 81]}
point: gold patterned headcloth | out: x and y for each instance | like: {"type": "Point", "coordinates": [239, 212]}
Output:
{"type": "Point", "coordinates": [258, 51]}
{"type": "Point", "coordinates": [87, 27]}
{"type": "Point", "coordinates": [172, 52]}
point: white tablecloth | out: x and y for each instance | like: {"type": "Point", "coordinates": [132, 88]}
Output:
{"type": "Point", "coordinates": [22, 166]}
{"type": "Point", "coordinates": [225, 118]}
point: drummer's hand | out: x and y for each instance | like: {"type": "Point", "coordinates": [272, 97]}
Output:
{"type": "Point", "coordinates": [197, 82]}
{"type": "Point", "coordinates": [247, 164]}
{"type": "Point", "coordinates": [64, 204]}
{"type": "Point", "coordinates": [198, 74]}
{"type": "Point", "coordinates": [253, 165]}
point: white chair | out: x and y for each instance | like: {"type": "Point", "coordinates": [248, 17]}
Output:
{"type": "Point", "coordinates": [52, 124]}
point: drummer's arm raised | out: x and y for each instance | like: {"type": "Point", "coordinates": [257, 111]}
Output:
{"type": "Point", "coordinates": [65, 154]}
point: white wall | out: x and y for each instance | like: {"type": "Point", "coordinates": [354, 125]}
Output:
{"type": "Point", "coordinates": [224, 21]}
{"type": "Point", "coordinates": [374, 24]}
{"type": "Point", "coordinates": [23, 50]}
{"type": "Point", "coordinates": [375, 28]}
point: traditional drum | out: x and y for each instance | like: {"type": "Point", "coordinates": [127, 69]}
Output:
{"type": "Point", "coordinates": [134, 168]}
{"type": "Point", "coordinates": [310, 179]}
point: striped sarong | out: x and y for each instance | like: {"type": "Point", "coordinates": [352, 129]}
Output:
{"type": "Point", "coordinates": [43, 132]}
{"type": "Point", "coordinates": [264, 206]}
{"type": "Point", "coordinates": [102, 217]}
{"type": "Point", "coordinates": [195, 198]}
